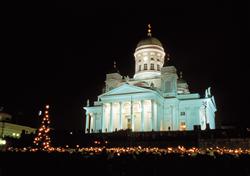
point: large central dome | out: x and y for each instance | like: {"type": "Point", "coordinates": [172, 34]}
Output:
{"type": "Point", "coordinates": [149, 57]}
{"type": "Point", "coordinates": [149, 41]}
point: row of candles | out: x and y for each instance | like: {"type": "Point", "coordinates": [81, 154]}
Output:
{"type": "Point", "coordinates": [118, 151]}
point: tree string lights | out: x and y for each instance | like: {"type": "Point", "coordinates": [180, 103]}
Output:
{"type": "Point", "coordinates": [42, 140]}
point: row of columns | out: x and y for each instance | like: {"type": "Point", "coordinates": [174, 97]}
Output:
{"type": "Point", "coordinates": [111, 119]}
{"type": "Point", "coordinates": [90, 121]}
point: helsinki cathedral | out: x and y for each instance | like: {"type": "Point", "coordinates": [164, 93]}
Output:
{"type": "Point", "coordinates": [156, 98]}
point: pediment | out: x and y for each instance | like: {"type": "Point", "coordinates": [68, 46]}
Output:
{"type": "Point", "coordinates": [126, 89]}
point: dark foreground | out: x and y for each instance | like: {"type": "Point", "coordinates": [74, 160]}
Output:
{"type": "Point", "coordinates": [71, 164]}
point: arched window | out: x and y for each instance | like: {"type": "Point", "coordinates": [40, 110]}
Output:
{"type": "Point", "coordinates": [139, 67]}
{"type": "Point", "coordinates": [126, 108]}
{"type": "Point", "coordinates": [145, 66]}
{"type": "Point", "coordinates": [152, 67]}
{"type": "Point", "coordinates": [136, 107]}
{"type": "Point", "coordinates": [158, 67]}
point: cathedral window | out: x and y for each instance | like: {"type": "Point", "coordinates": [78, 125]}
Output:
{"type": "Point", "coordinates": [139, 67]}
{"type": "Point", "coordinates": [140, 60]}
{"type": "Point", "coordinates": [158, 60]}
{"type": "Point", "coordinates": [182, 113]}
{"type": "Point", "coordinates": [152, 67]}
{"type": "Point", "coordinates": [145, 66]}
{"type": "Point", "coordinates": [152, 59]}
{"type": "Point", "coordinates": [158, 67]}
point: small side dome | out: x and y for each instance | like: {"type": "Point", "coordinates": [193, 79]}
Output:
{"type": "Point", "coordinates": [149, 41]}
{"type": "Point", "coordinates": [180, 81]}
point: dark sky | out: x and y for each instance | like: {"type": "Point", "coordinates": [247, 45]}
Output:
{"type": "Point", "coordinates": [59, 54]}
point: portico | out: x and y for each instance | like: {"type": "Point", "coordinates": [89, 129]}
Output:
{"type": "Point", "coordinates": [130, 115]}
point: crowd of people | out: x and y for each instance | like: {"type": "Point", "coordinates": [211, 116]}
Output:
{"type": "Point", "coordinates": [121, 153]}
{"type": "Point", "coordinates": [130, 160]}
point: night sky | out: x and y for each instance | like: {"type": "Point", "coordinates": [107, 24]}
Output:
{"type": "Point", "coordinates": [60, 54]}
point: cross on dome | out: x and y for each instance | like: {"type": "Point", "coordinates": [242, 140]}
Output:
{"type": "Point", "coordinates": [149, 30]}
{"type": "Point", "coordinates": [180, 74]}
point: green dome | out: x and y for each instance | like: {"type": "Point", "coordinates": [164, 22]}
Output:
{"type": "Point", "coordinates": [149, 41]}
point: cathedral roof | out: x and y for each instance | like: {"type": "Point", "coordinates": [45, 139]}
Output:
{"type": "Point", "coordinates": [149, 41]}
{"type": "Point", "coordinates": [142, 84]}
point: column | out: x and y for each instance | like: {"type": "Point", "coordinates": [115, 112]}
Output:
{"type": "Point", "coordinates": [152, 115]}
{"type": "Point", "coordinates": [91, 122]}
{"type": "Point", "coordinates": [172, 118]}
{"type": "Point", "coordinates": [87, 122]}
{"type": "Point", "coordinates": [111, 118]}
{"type": "Point", "coordinates": [103, 118]}
{"type": "Point", "coordinates": [142, 115]}
{"type": "Point", "coordinates": [94, 124]}
{"type": "Point", "coordinates": [120, 115]}
{"type": "Point", "coordinates": [131, 115]}
{"type": "Point", "coordinates": [156, 120]}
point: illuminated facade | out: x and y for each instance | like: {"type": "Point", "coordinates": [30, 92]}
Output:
{"type": "Point", "coordinates": [156, 98]}
{"type": "Point", "coordinates": [9, 129]}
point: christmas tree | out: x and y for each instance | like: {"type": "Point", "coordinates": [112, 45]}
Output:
{"type": "Point", "coordinates": [42, 140]}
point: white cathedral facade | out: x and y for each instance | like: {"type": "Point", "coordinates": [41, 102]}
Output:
{"type": "Point", "coordinates": [155, 99]}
